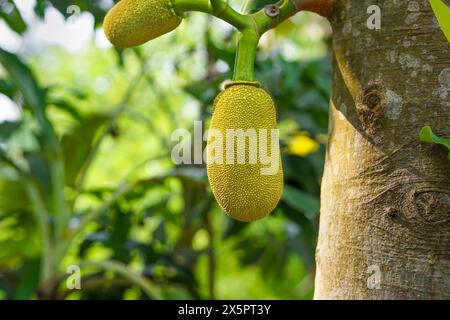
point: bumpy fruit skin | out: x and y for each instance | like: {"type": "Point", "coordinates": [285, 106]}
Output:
{"type": "Point", "coordinates": [240, 189]}
{"type": "Point", "coordinates": [133, 22]}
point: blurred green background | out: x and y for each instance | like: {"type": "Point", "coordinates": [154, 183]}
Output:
{"type": "Point", "coordinates": [86, 176]}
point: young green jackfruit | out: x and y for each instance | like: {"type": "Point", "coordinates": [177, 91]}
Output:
{"type": "Point", "coordinates": [250, 190]}
{"type": "Point", "coordinates": [133, 22]}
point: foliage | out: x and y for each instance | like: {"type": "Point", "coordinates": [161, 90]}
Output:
{"type": "Point", "coordinates": [427, 135]}
{"type": "Point", "coordinates": [86, 176]}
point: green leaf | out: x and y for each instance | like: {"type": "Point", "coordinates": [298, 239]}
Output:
{"type": "Point", "coordinates": [7, 88]}
{"type": "Point", "coordinates": [301, 201]}
{"type": "Point", "coordinates": [121, 226]}
{"type": "Point", "coordinates": [442, 13]}
{"type": "Point", "coordinates": [7, 128]}
{"type": "Point", "coordinates": [67, 107]}
{"type": "Point", "coordinates": [39, 8]}
{"type": "Point", "coordinates": [40, 169]}
{"type": "Point", "coordinates": [13, 196]}
{"type": "Point", "coordinates": [29, 280]}
{"type": "Point", "coordinates": [427, 135]}
{"type": "Point", "coordinates": [77, 145]}
{"type": "Point", "coordinates": [12, 17]}
{"type": "Point", "coordinates": [33, 94]}
{"type": "Point", "coordinates": [23, 78]}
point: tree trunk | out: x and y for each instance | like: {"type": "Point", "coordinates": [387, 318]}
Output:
{"type": "Point", "coordinates": [385, 211]}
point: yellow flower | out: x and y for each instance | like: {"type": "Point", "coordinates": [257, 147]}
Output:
{"type": "Point", "coordinates": [302, 145]}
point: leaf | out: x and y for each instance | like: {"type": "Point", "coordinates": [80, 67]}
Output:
{"type": "Point", "coordinates": [39, 8]}
{"type": "Point", "coordinates": [77, 92]}
{"type": "Point", "coordinates": [33, 94]}
{"type": "Point", "coordinates": [12, 16]}
{"type": "Point", "coordinates": [67, 107]}
{"type": "Point", "coordinates": [160, 233]}
{"type": "Point", "coordinates": [25, 136]}
{"type": "Point", "coordinates": [29, 280]}
{"type": "Point", "coordinates": [301, 201]}
{"type": "Point", "coordinates": [7, 128]}
{"type": "Point", "coordinates": [23, 78]}
{"type": "Point", "coordinates": [151, 290]}
{"type": "Point", "coordinates": [7, 88]}
{"type": "Point", "coordinates": [427, 135]}
{"type": "Point", "coordinates": [40, 170]}
{"type": "Point", "coordinates": [77, 145]}
{"type": "Point", "coordinates": [442, 13]}
{"type": "Point", "coordinates": [121, 228]}
{"type": "Point", "coordinates": [13, 196]}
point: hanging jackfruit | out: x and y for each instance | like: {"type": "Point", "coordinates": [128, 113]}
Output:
{"type": "Point", "coordinates": [248, 182]}
{"type": "Point", "coordinates": [133, 22]}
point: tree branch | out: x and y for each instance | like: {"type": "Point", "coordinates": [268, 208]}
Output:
{"type": "Point", "coordinates": [41, 216]}
{"type": "Point", "coordinates": [146, 285]}
{"type": "Point", "coordinates": [251, 27]}
{"type": "Point", "coordinates": [218, 8]}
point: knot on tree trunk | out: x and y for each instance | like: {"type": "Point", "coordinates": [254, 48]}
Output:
{"type": "Point", "coordinates": [369, 106]}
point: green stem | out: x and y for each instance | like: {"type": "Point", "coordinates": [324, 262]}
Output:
{"type": "Point", "coordinates": [217, 8]}
{"type": "Point", "coordinates": [60, 209]}
{"type": "Point", "coordinates": [222, 10]}
{"type": "Point", "coordinates": [244, 66]}
{"type": "Point", "coordinates": [41, 216]}
{"type": "Point", "coordinates": [264, 23]}
{"type": "Point", "coordinates": [150, 289]}
{"type": "Point", "coordinates": [252, 26]}
{"type": "Point", "coordinates": [182, 6]}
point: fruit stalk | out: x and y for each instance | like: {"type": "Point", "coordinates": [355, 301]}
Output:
{"type": "Point", "coordinates": [250, 26]}
{"type": "Point", "coordinates": [217, 8]}
{"type": "Point", "coordinates": [182, 6]}
{"type": "Point", "coordinates": [244, 67]}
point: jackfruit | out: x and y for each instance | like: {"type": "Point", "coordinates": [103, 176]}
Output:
{"type": "Point", "coordinates": [246, 191]}
{"type": "Point", "coordinates": [133, 22]}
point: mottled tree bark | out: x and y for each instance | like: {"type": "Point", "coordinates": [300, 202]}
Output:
{"type": "Point", "coordinates": [385, 212]}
